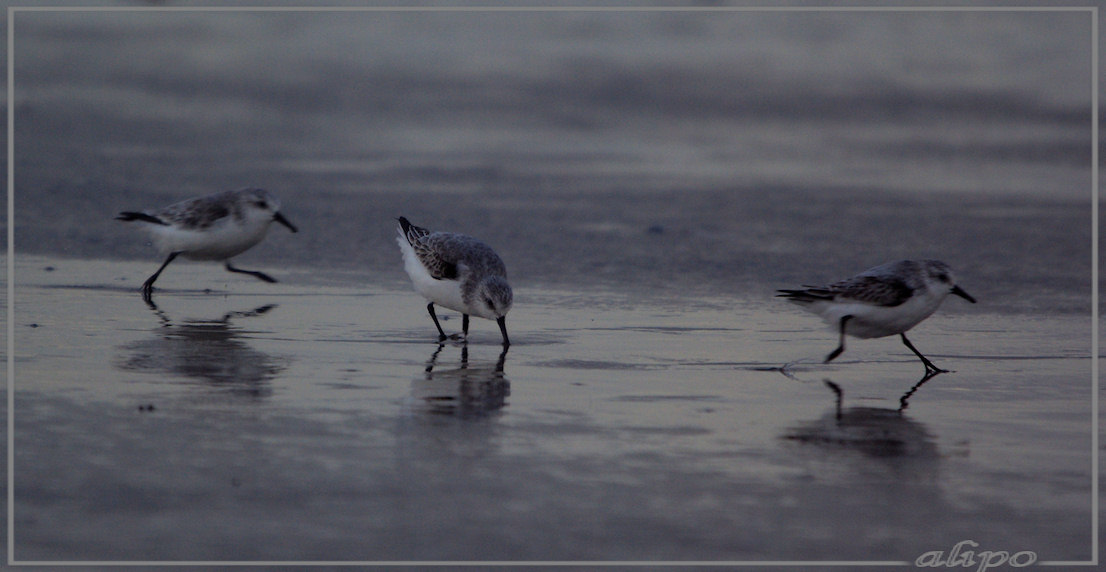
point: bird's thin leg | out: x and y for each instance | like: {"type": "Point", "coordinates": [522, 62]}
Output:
{"type": "Point", "coordinates": [465, 325]}
{"type": "Point", "coordinates": [502, 321]}
{"type": "Point", "coordinates": [254, 273]}
{"type": "Point", "coordinates": [841, 345]}
{"type": "Point", "coordinates": [929, 365]}
{"type": "Point", "coordinates": [148, 285]}
{"type": "Point", "coordinates": [433, 316]}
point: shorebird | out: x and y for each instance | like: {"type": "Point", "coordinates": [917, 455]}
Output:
{"type": "Point", "coordinates": [881, 301]}
{"type": "Point", "coordinates": [213, 227]}
{"type": "Point", "coordinates": [458, 272]}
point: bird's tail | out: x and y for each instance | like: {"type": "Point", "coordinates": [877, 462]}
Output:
{"type": "Point", "coordinates": [129, 216]}
{"type": "Point", "coordinates": [410, 231]}
{"type": "Point", "coordinates": [806, 296]}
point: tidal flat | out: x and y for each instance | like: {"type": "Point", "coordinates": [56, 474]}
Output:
{"type": "Point", "coordinates": [650, 178]}
{"type": "Point", "coordinates": [308, 422]}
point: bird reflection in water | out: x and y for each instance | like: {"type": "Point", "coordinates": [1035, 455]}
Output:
{"type": "Point", "coordinates": [874, 431]}
{"type": "Point", "coordinates": [212, 352]}
{"type": "Point", "coordinates": [469, 390]}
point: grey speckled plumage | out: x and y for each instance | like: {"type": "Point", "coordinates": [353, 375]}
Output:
{"type": "Point", "coordinates": [441, 252]}
{"type": "Point", "coordinates": [212, 227]}
{"type": "Point", "coordinates": [884, 300]}
{"type": "Point", "coordinates": [458, 272]}
{"type": "Point", "coordinates": [889, 284]}
{"type": "Point", "coordinates": [202, 212]}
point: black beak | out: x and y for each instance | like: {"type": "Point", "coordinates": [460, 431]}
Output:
{"type": "Point", "coordinates": [502, 321]}
{"type": "Point", "coordinates": [960, 292]}
{"type": "Point", "coordinates": [280, 218]}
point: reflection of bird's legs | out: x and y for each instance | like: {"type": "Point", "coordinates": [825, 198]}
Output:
{"type": "Point", "coordinates": [841, 345]}
{"type": "Point", "coordinates": [929, 365]}
{"type": "Point", "coordinates": [839, 395]}
{"type": "Point", "coordinates": [902, 400]}
{"type": "Point", "coordinates": [434, 358]}
{"type": "Point", "coordinates": [248, 313]}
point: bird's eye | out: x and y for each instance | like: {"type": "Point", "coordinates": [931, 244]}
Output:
{"type": "Point", "coordinates": [489, 302]}
{"type": "Point", "coordinates": [943, 277]}
{"type": "Point", "coordinates": [262, 205]}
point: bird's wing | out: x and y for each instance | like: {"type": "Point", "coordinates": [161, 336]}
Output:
{"type": "Point", "coordinates": [196, 213]}
{"type": "Point", "coordinates": [876, 290]}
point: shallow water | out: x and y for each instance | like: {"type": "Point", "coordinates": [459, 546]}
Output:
{"type": "Point", "coordinates": [303, 422]}
{"type": "Point", "coordinates": [650, 180]}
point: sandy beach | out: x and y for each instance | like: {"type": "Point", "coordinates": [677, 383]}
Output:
{"type": "Point", "coordinates": [300, 422]}
{"type": "Point", "coordinates": [650, 180]}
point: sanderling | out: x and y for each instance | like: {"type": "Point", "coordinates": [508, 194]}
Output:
{"type": "Point", "coordinates": [881, 301]}
{"type": "Point", "coordinates": [213, 227]}
{"type": "Point", "coordinates": [458, 272]}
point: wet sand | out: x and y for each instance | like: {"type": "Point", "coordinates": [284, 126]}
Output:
{"type": "Point", "coordinates": [650, 179]}
{"type": "Point", "coordinates": [320, 422]}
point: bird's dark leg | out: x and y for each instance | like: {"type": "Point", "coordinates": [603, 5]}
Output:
{"type": "Point", "coordinates": [929, 365]}
{"type": "Point", "coordinates": [433, 316]}
{"type": "Point", "coordinates": [254, 273]}
{"type": "Point", "coordinates": [841, 345]}
{"type": "Point", "coordinates": [148, 285]}
{"type": "Point", "coordinates": [502, 321]}
{"type": "Point", "coordinates": [465, 325]}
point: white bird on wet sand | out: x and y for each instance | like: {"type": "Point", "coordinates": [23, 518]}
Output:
{"type": "Point", "coordinates": [213, 227]}
{"type": "Point", "coordinates": [882, 301]}
{"type": "Point", "coordinates": [458, 272]}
